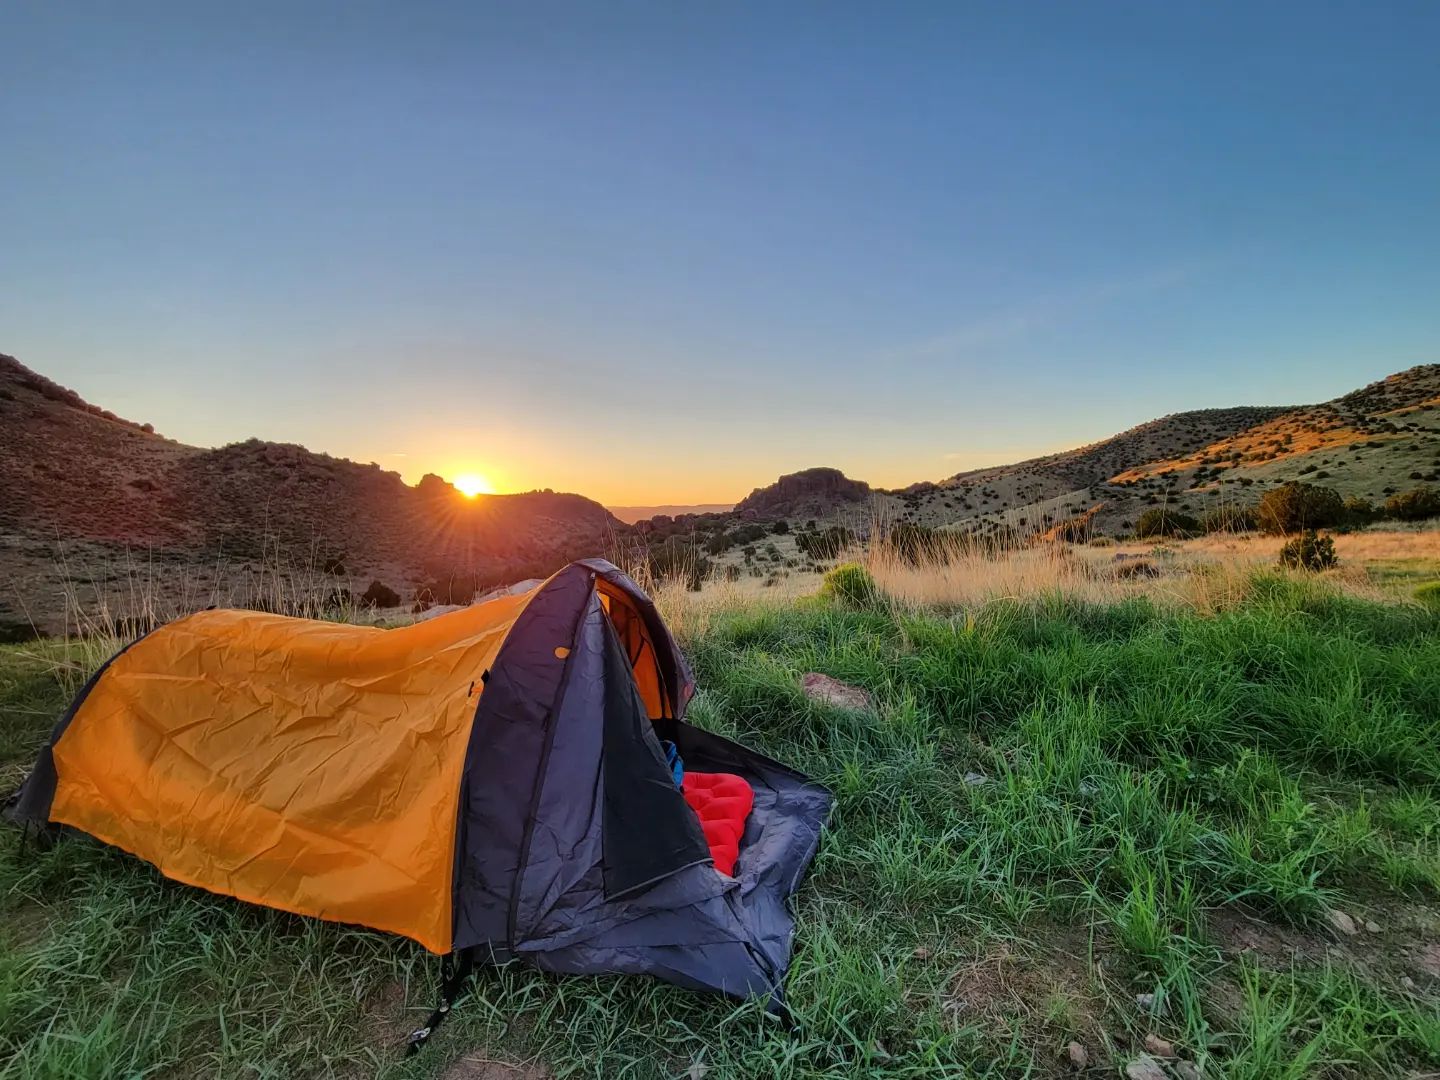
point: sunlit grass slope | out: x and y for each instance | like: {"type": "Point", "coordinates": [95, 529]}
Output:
{"type": "Point", "coordinates": [1063, 821]}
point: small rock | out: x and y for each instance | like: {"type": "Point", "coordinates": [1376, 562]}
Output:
{"type": "Point", "coordinates": [1407, 982]}
{"type": "Point", "coordinates": [1146, 1002]}
{"type": "Point", "coordinates": [920, 953]}
{"type": "Point", "coordinates": [976, 779]}
{"type": "Point", "coordinates": [697, 1071]}
{"type": "Point", "coordinates": [828, 691]}
{"type": "Point", "coordinates": [1145, 1067]}
{"type": "Point", "coordinates": [1372, 926]}
{"type": "Point", "coordinates": [1159, 1047]}
{"type": "Point", "coordinates": [1186, 1070]}
{"type": "Point", "coordinates": [1079, 1058]}
{"type": "Point", "coordinates": [1341, 922]}
{"type": "Point", "coordinates": [1427, 960]}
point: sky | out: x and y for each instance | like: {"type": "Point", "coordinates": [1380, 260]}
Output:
{"type": "Point", "coordinates": [666, 252]}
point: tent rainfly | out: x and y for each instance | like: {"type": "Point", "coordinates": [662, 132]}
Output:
{"type": "Point", "coordinates": [491, 783]}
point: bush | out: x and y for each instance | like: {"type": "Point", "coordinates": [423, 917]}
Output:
{"type": "Point", "coordinates": [1414, 505]}
{"type": "Point", "coordinates": [826, 544]}
{"type": "Point", "coordinates": [1294, 507]}
{"type": "Point", "coordinates": [677, 559]}
{"type": "Point", "coordinates": [1229, 519]}
{"type": "Point", "coordinates": [1359, 511]}
{"type": "Point", "coordinates": [380, 595]}
{"type": "Point", "coordinates": [1429, 595]}
{"type": "Point", "coordinates": [1160, 522]}
{"type": "Point", "coordinates": [719, 543]}
{"type": "Point", "coordinates": [1075, 530]}
{"type": "Point", "coordinates": [780, 528]}
{"type": "Point", "coordinates": [915, 543]}
{"type": "Point", "coordinates": [850, 584]}
{"type": "Point", "coordinates": [1309, 551]}
{"type": "Point", "coordinates": [1136, 568]}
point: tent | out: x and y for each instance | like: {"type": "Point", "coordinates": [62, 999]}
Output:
{"type": "Point", "coordinates": [490, 783]}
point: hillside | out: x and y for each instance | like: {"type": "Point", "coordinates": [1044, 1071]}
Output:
{"type": "Point", "coordinates": [631, 514]}
{"type": "Point", "coordinates": [808, 493]}
{"type": "Point", "coordinates": [111, 488]}
{"type": "Point", "coordinates": [71, 471]}
{"type": "Point", "coordinates": [1369, 443]}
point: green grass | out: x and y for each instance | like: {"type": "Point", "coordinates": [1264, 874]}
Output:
{"type": "Point", "coordinates": [1061, 822]}
{"type": "Point", "coordinates": [1403, 574]}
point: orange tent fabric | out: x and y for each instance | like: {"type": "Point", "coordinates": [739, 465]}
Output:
{"type": "Point", "coordinates": [267, 743]}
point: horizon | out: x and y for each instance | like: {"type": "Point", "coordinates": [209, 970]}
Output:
{"type": "Point", "coordinates": [663, 257]}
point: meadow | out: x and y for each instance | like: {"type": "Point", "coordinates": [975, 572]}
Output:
{"type": "Point", "coordinates": [1095, 823]}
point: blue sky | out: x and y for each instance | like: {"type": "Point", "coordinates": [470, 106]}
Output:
{"type": "Point", "coordinates": [660, 252]}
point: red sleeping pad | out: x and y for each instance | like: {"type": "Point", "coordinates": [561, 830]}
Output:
{"type": "Point", "coordinates": [722, 802]}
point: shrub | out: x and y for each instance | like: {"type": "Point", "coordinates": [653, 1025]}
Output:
{"type": "Point", "coordinates": [1136, 568]}
{"type": "Point", "coordinates": [1294, 507]}
{"type": "Point", "coordinates": [826, 544]}
{"type": "Point", "coordinates": [677, 559]}
{"type": "Point", "coordinates": [915, 543]}
{"type": "Point", "coordinates": [1075, 530]}
{"type": "Point", "coordinates": [1359, 511]}
{"type": "Point", "coordinates": [1309, 551]}
{"type": "Point", "coordinates": [850, 584]}
{"type": "Point", "coordinates": [1229, 519]}
{"type": "Point", "coordinates": [450, 588]}
{"type": "Point", "coordinates": [1414, 505]}
{"type": "Point", "coordinates": [780, 528]}
{"type": "Point", "coordinates": [1160, 522]}
{"type": "Point", "coordinates": [380, 595]}
{"type": "Point", "coordinates": [719, 543]}
{"type": "Point", "coordinates": [749, 534]}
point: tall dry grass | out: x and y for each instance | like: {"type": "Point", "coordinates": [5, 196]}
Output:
{"type": "Point", "coordinates": [952, 572]}
{"type": "Point", "coordinates": [108, 605]}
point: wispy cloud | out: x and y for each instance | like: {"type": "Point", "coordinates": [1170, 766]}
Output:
{"type": "Point", "coordinates": [1018, 320]}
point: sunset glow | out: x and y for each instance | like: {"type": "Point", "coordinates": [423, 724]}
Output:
{"type": "Point", "coordinates": [471, 484]}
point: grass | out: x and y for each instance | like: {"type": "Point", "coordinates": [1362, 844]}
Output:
{"type": "Point", "coordinates": [1068, 817]}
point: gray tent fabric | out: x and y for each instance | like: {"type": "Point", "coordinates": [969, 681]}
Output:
{"type": "Point", "coordinates": [690, 924]}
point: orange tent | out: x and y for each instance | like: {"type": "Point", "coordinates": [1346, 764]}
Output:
{"type": "Point", "coordinates": [491, 778]}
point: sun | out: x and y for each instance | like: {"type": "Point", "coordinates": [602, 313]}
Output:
{"type": "Point", "coordinates": [471, 484]}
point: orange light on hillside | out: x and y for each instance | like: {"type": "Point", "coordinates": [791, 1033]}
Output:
{"type": "Point", "coordinates": [472, 484]}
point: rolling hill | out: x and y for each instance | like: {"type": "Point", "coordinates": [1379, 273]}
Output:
{"type": "Point", "coordinates": [1369, 443]}
{"type": "Point", "coordinates": [105, 486]}
{"type": "Point", "coordinates": [87, 495]}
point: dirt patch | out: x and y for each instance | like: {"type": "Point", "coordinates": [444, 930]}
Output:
{"type": "Point", "coordinates": [1240, 933]}
{"type": "Point", "coordinates": [385, 1023]}
{"type": "Point", "coordinates": [828, 691]}
{"type": "Point", "coordinates": [477, 1066]}
{"type": "Point", "coordinates": [1045, 993]}
{"type": "Point", "coordinates": [1425, 959]}
{"type": "Point", "coordinates": [28, 926]}
{"type": "Point", "coordinates": [1393, 942]}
